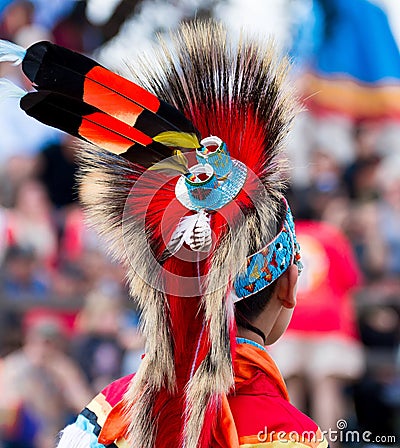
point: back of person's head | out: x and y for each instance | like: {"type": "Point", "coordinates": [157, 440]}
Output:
{"type": "Point", "coordinates": [185, 185]}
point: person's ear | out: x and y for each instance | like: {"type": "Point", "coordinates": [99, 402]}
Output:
{"type": "Point", "coordinates": [287, 287]}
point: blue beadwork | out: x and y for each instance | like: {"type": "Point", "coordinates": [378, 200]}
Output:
{"type": "Point", "coordinates": [266, 265]}
{"type": "Point", "coordinates": [219, 159]}
{"type": "Point", "coordinates": [204, 193]}
{"type": "Point", "coordinates": [227, 189]}
{"type": "Point", "coordinates": [250, 342]}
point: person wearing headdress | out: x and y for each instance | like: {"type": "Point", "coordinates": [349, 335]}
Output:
{"type": "Point", "coordinates": [182, 177]}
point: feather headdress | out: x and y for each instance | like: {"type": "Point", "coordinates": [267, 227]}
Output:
{"type": "Point", "coordinates": [184, 232]}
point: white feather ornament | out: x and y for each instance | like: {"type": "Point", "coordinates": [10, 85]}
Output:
{"type": "Point", "coordinates": [195, 231]}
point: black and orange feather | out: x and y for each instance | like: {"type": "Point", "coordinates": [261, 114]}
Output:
{"type": "Point", "coordinates": [57, 69]}
{"type": "Point", "coordinates": [81, 97]}
{"type": "Point", "coordinates": [85, 121]}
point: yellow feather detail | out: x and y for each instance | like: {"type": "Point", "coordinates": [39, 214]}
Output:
{"type": "Point", "coordinates": [178, 139]}
{"type": "Point", "coordinates": [177, 162]}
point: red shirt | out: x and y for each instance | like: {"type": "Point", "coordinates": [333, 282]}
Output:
{"type": "Point", "coordinates": [324, 302]}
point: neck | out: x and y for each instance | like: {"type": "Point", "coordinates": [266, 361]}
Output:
{"type": "Point", "coordinates": [249, 334]}
{"type": "Point", "coordinates": [265, 322]}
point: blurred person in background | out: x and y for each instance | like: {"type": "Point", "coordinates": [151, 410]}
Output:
{"type": "Point", "coordinates": [321, 352]}
{"type": "Point", "coordinates": [375, 222]}
{"type": "Point", "coordinates": [360, 175]}
{"type": "Point", "coordinates": [23, 279]}
{"type": "Point", "coordinates": [11, 334]}
{"type": "Point", "coordinates": [133, 341]}
{"type": "Point", "coordinates": [97, 347]}
{"type": "Point", "coordinates": [367, 239]}
{"type": "Point", "coordinates": [56, 169]}
{"type": "Point", "coordinates": [41, 387]}
{"type": "Point", "coordinates": [377, 394]}
{"type": "Point", "coordinates": [15, 15]}
{"type": "Point", "coordinates": [30, 222]}
{"type": "Point", "coordinates": [325, 184]}
{"type": "Point", "coordinates": [388, 211]}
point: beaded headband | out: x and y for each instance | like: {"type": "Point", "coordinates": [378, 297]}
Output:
{"type": "Point", "coordinates": [266, 265]}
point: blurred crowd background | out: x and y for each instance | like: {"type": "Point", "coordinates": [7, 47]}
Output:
{"type": "Point", "coordinates": [67, 326]}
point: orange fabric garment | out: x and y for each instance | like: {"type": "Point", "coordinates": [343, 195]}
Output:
{"type": "Point", "coordinates": [248, 361]}
{"type": "Point", "coordinates": [259, 402]}
{"type": "Point", "coordinates": [260, 406]}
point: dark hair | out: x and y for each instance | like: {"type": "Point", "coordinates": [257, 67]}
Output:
{"type": "Point", "coordinates": [250, 308]}
{"type": "Point", "coordinates": [247, 310]}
